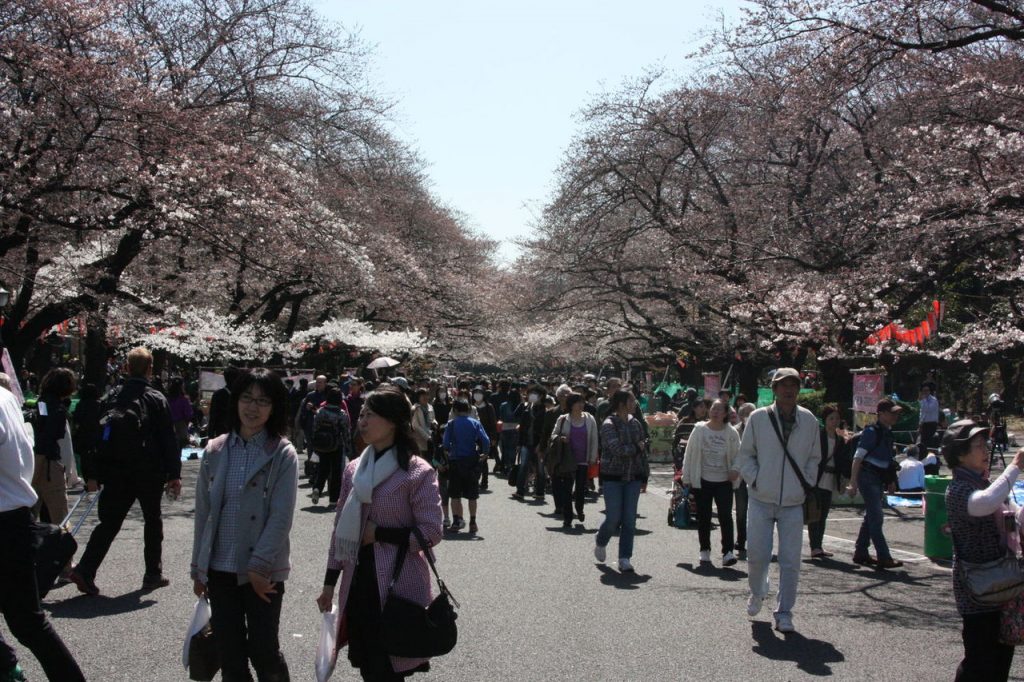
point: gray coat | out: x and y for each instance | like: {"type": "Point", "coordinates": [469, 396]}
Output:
{"type": "Point", "coordinates": [264, 516]}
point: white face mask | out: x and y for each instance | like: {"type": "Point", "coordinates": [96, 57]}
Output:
{"type": "Point", "coordinates": [478, 397]}
{"type": "Point", "coordinates": [533, 398]}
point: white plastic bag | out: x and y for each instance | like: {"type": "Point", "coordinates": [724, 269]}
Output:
{"type": "Point", "coordinates": [200, 617]}
{"type": "Point", "coordinates": [326, 648]}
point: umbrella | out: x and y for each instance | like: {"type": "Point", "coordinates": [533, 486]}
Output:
{"type": "Point", "coordinates": [383, 362]}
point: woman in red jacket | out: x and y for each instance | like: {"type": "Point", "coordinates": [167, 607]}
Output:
{"type": "Point", "coordinates": [386, 492]}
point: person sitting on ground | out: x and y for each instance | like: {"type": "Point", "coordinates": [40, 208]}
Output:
{"type": "Point", "coordinates": [911, 475]}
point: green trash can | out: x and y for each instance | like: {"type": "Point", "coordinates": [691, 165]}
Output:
{"type": "Point", "coordinates": [937, 542]}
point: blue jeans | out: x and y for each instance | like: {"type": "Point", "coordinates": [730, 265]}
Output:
{"type": "Point", "coordinates": [509, 447]}
{"type": "Point", "coordinates": [528, 457]}
{"type": "Point", "coordinates": [871, 489]}
{"type": "Point", "coordinates": [620, 503]}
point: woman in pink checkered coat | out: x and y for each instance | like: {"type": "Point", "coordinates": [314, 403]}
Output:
{"type": "Point", "coordinates": [384, 493]}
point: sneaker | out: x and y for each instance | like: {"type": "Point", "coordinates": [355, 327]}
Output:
{"type": "Point", "coordinates": [728, 559]}
{"type": "Point", "coordinates": [519, 497]}
{"type": "Point", "coordinates": [582, 517]}
{"type": "Point", "coordinates": [447, 524]}
{"type": "Point", "coordinates": [458, 524]}
{"type": "Point", "coordinates": [15, 674]}
{"type": "Point", "coordinates": [625, 566]}
{"type": "Point", "coordinates": [154, 582]}
{"type": "Point", "coordinates": [784, 623]}
{"type": "Point", "coordinates": [754, 605]}
{"type": "Point", "coordinates": [85, 585]}
{"type": "Point", "coordinates": [315, 495]}
{"type": "Point", "coordinates": [473, 528]}
{"type": "Point", "coordinates": [705, 556]}
{"type": "Point", "coordinates": [600, 553]}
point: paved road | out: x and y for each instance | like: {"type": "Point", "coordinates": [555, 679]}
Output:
{"type": "Point", "coordinates": [535, 605]}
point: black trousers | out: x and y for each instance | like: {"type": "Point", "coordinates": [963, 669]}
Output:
{"type": "Point", "coordinates": [742, 499]}
{"type": "Point", "coordinates": [986, 659]}
{"type": "Point", "coordinates": [721, 494]}
{"type": "Point", "coordinates": [569, 491]}
{"type": "Point", "coordinates": [119, 494]}
{"type": "Point", "coordinates": [246, 629]}
{"type": "Point", "coordinates": [328, 471]}
{"type": "Point", "coordinates": [926, 434]}
{"type": "Point", "coordinates": [19, 602]}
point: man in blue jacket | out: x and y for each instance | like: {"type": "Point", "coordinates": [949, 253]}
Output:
{"type": "Point", "coordinates": [467, 445]}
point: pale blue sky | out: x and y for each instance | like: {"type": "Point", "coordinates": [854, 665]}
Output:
{"type": "Point", "coordinates": [488, 91]}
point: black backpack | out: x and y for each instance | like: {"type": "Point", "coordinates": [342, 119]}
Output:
{"type": "Point", "coordinates": [326, 431]}
{"type": "Point", "coordinates": [122, 427]}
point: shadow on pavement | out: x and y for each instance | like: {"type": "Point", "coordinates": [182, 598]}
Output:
{"type": "Point", "coordinates": [461, 536]}
{"type": "Point", "coordinates": [576, 529]}
{"type": "Point", "coordinates": [621, 581]}
{"type": "Point", "coordinates": [812, 656]}
{"type": "Point", "coordinates": [84, 607]}
{"type": "Point", "coordinates": [726, 573]}
{"type": "Point", "coordinates": [318, 509]}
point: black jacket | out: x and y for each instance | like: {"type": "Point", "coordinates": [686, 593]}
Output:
{"type": "Point", "coordinates": [50, 427]}
{"type": "Point", "coordinates": [162, 456]}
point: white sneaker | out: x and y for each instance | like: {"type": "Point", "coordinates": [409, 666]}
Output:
{"type": "Point", "coordinates": [754, 605]}
{"type": "Point", "coordinates": [784, 623]}
{"type": "Point", "coordinates": [600, 553]}
{"type": "Point", "coordinates": [705, 556]}
{"type": "Point", "coordinates": [625, 566]}
{"type": "Point", "coordinates": [728, 559]}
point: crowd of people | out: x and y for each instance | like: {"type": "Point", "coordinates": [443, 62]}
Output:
{"type": "Point", "coordinates": [398, 457]}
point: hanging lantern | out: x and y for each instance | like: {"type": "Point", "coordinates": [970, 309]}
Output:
{"type": "Point", "coordinates": [926, 327]}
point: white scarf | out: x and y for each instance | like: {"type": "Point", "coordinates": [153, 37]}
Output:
{"type": "Point", "coordinates": [370, 472]}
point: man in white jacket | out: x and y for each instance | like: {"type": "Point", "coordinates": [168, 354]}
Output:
{"type": "Point", "coordinates": [776, 492]}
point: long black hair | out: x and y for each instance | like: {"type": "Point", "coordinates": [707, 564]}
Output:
{"type": "Point", "coordinates": [389, 402]}
{"type": "Point", "coordinates": [272, 387]}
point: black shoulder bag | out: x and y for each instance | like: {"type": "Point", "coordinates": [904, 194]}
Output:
{"type": "Point", "coordinates": [409, 630]}
{"type": "Point", "coordinates": [812, 511]}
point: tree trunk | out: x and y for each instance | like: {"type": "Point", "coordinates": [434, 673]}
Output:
{"type": "Point", "coordinates": [838, 381]}
{"type": "Point", "coordinates": [96, 352]}
{"type": "Point", "coordinates": [1010, 372]}
{"type": "Point", "coordinates": [746, 376]}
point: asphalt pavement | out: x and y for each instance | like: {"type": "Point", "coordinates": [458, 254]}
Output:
{"type": "Point", "coordinates": [536, 606]}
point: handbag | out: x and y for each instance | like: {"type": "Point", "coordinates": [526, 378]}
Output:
{"type": "Point", "coordinates": [1011, 622]}
{"type": "Point", "coordinates": [812, 510]}
{"type": "Point", "coordinates": [513, 475]}
{"type": "Point", "coordinates": [993, 582]}
{"type": "Point", "coordinates": [558, 459]}
{"type": "Point", "coordinates": [200, 655]}
{"type": "Point", "coordinates": [409, 630]}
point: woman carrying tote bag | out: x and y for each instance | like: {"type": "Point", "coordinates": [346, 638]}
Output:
{"type": "Point", "coordinates": [385, 493]}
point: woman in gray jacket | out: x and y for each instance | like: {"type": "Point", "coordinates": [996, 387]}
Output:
{"type": "Point", "coordinates": [245, 500]}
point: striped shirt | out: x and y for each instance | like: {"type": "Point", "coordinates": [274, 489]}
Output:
{"type": "Point", "coordinates": [240, 458]}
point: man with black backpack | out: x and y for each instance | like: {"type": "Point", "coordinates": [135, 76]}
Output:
{"type": "Point", "coordinates": [137, 459]}
{"type": "Point", "coordinates": [332, 444]}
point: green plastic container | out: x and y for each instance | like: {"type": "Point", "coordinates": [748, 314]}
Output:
{"type": "Point", "coordinates": [937, 542]}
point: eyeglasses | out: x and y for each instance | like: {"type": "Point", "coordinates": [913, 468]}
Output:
{"type": "Point", "coordinates": [261, 403]}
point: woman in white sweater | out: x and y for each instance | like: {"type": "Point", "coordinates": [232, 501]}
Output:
{"type": "Point", "coordinates": [708, 468]}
